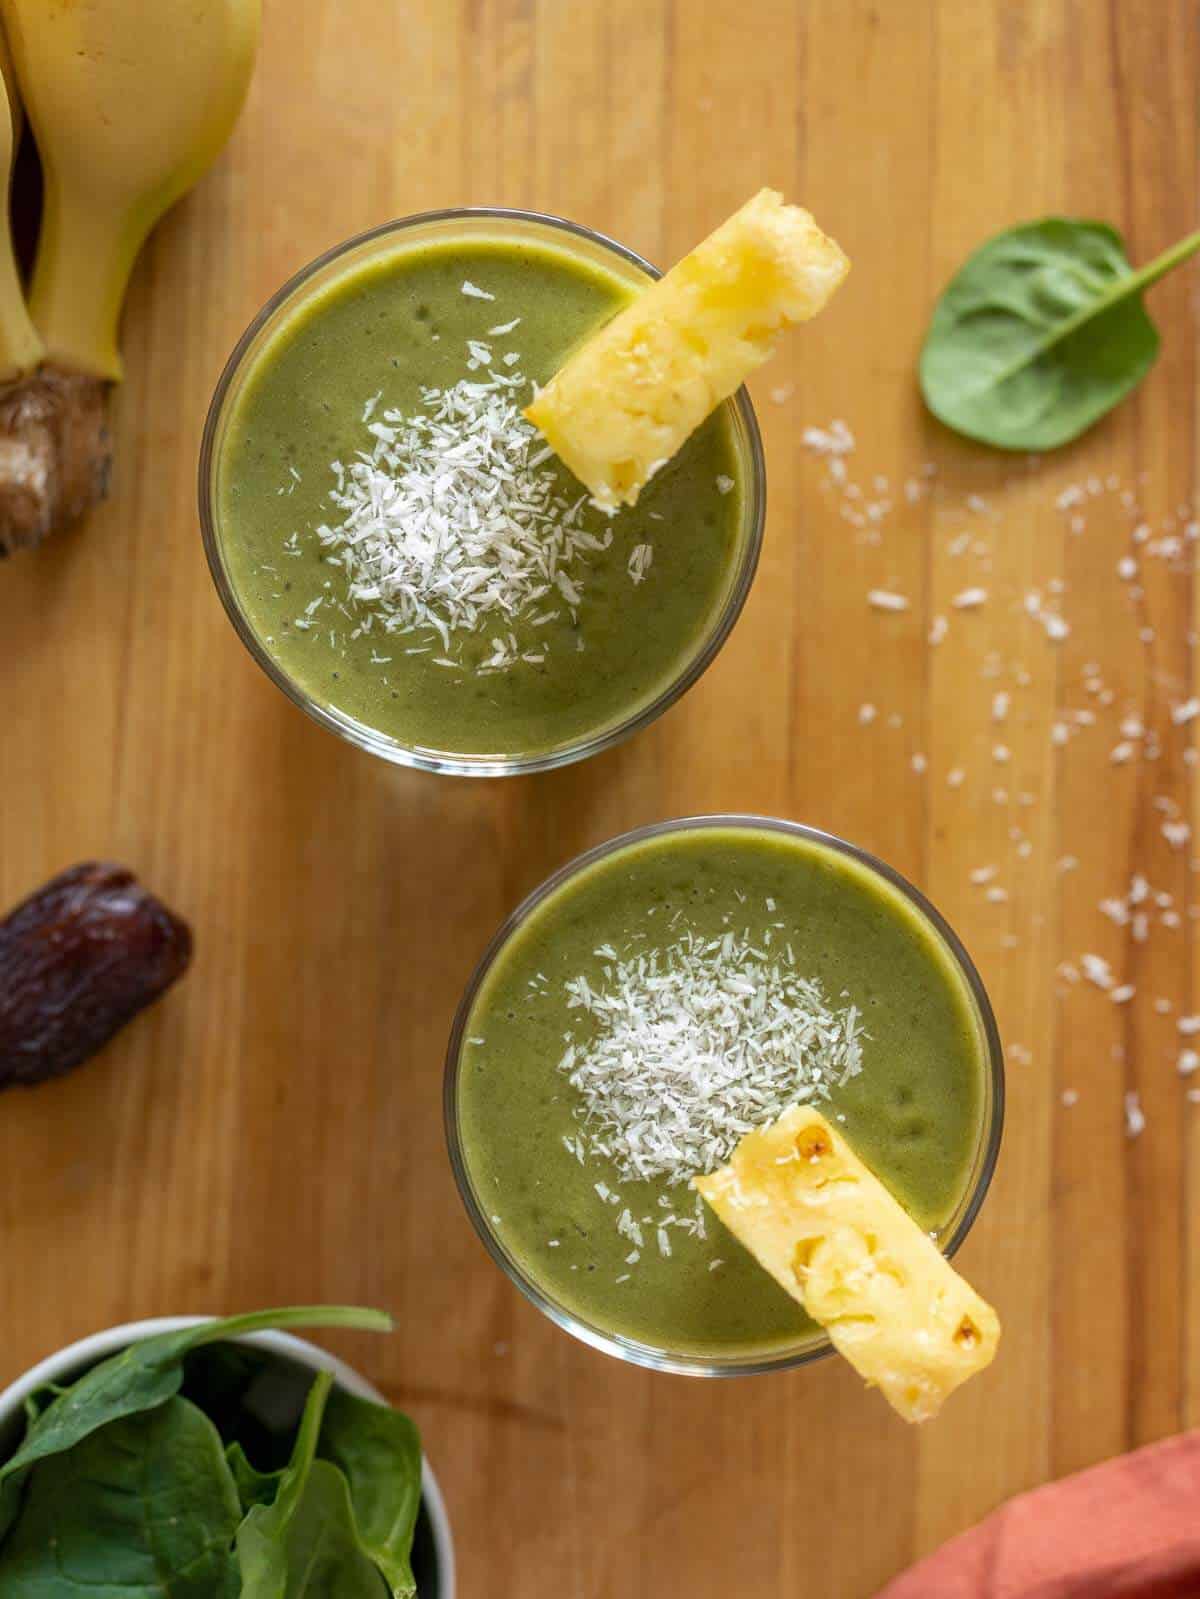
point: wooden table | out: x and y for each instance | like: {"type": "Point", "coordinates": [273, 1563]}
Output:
{"type": "Point", "coordinates": [273, 1131]}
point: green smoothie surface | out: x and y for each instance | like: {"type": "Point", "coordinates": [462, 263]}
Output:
{"type": "Point", "coordinates": [614, 1010]}
{"type": "Point", "coordinates": [407, 549]}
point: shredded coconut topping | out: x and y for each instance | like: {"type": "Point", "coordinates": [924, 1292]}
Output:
{"type": "Point", "coordinates": [686, 1050]}
{"type": "Point", "coordinates": [455, 521]}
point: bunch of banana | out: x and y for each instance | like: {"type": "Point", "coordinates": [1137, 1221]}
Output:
{"type": "Point", "coordinates": [129, 102]}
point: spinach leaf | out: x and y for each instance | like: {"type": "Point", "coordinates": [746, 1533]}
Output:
{"type": "Point", "coordinates": [1041, 332]}
{"type": "Point", "coordinates": [379, 1453]}
{"type": "Point", "coordinates": [254, 1487]}
{"type": "Point", "coordinates": [319, 1555]}
{"type": "Point", "coordinates": [150, 1372]}
{"type": "Point", "coordinates": [10, 1502]}
{"type": "Point", "coordinates": [306, 1543]}
{"type": "Point", "coordinates": [143, 1508]}
{"type": "Point", "coordinates": [11, 1487]}
{"type": "Point", "coordinates": [41, 1399]}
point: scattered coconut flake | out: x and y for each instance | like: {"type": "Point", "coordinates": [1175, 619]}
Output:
{"type": "Point", "coordinates": [473, 292]}
{"type": "Point", "coordinates": [1097, 971]}
{"type": "Point", "coordinates": [836, 440]}
{"type": "Point", "coordinates": [1135, 1119]}
{"type": "Point", "coordinates": [866, 715]}
{"type": "Point", "coordinates": [1123, 994]}
{"type": "Point", "coordinates": [640, 558]}
{"type": "Point", "coordinates": [1070, 1096]}
{"type": "Point", "coordinates": [725, 485]}
{"type": "Point", "coordinates": [886, 600]}
{"type": "Point", "coordinates": [969, 599]}
{"type": "Point", "coordinates": [938, 629]}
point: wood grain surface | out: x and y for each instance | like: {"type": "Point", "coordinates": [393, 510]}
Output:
{"type": "Point", "coordinates": [272, 1132]}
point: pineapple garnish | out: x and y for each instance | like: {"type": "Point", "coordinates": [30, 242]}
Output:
{"type": "Point", "coordinates": [628, 398]}
{"type": "Point", "coordinates": [800, 1200]}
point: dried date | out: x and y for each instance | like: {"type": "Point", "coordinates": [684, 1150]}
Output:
{"type": "Point", "coordinates": [78, 958]}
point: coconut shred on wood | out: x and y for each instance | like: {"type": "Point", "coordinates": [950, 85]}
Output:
{"type": "Point", "coordinates": [454, 522]}
{"type": "Point", "coordinates": [1109, 511]}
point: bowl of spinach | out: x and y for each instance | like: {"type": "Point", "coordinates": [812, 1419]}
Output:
{"type": "Point", "coordinates": [207, 1459]}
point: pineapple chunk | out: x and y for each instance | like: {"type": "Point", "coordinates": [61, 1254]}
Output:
{"type": "Point", "coordinates": [800, 1200]}
{"type": "Point", "coordinates": [627, 399]}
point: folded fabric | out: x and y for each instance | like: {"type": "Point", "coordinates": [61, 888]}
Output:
{"type": "Point", "coordinates": [1128, 1527]}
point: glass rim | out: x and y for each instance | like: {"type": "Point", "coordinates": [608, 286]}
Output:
{"type": "Point", "coordinates": [451, 763]}
{"type": "Point", "coordinates": [817, 1347]}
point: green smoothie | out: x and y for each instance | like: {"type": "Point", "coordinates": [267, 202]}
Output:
{"type": "Point", "coordinates": [661, 1002]}
{"type": "Point", "coordinates": [406, 548]}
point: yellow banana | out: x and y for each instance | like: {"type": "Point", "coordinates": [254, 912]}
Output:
{"type": "Point", "coordinates": [15, 119]}
{"type": "Point", "coordinates": [20, 346]}
{"type": "Point", "coordinates": [130, 101]}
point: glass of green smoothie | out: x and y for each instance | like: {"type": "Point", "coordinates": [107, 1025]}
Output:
{"type": "Point", "coordinates": [399, 549]}
{"type": "Point", "coordinates": [656, 999]}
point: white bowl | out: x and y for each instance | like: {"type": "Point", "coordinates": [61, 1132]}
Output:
{"type": "Point", "coordinates": [78, 1357]}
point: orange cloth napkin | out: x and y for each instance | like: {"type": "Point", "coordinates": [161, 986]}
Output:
{"type": "Point", "coordinates": [1129, 1527]}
